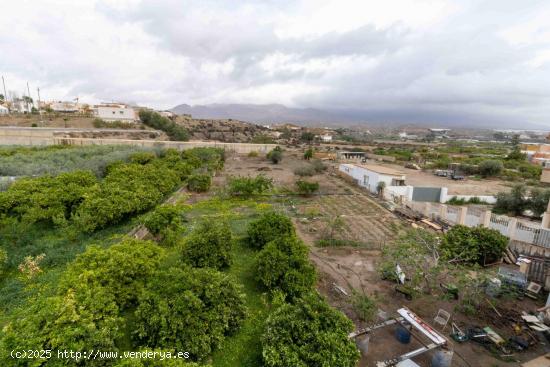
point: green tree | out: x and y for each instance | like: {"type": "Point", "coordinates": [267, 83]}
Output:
{"type": "Point", "coordinates": [307, 188]}
{"type": "Point", "coordinates": [538, 202]}
{"type": "Point", "coordinates": [283, 265]}
{"type": "Point", "coordinates": [308, 333]}
{"type": "Point", "coordinates": [189, 310]}
{"type": "Point", "coordinates": [478, 245]}
{"type": "Point", "coordinates": [157, 121]}
{"type": "Point", "coordinates": [209, 245]}
{"type": "Point", "coordinates": [307, 137]}
{"type": "Point", "coordinates": [199, 182]}
{"type": "Point", "coordinates": [3, 261]}
{"type": "Point", "coordinates": [514, 202]}
{"type": "Point", "coordinates": [490, 168]}
{"type": "Point", "coordinates": [248, 186]}
{"type": "Point", "coordinates": [268, 227]}
{"type": "Point", "coordinates": [308, 154]}
{"type": "Point", "coordinates": [275, 156]}
{"type": "Point", "coordinates": [165, 222]}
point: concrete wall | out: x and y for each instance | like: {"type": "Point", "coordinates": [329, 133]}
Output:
{"type": "Point", "coordinates": [51, 136]}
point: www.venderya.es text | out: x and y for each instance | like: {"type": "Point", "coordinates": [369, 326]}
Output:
{"type": "Point", "coordinates": [95, 354]}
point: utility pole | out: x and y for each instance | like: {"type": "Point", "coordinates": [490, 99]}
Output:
{"type": "Point", "coordinates": [38, 90]}
{"type": "Point", "coordinates": [29, 94]}
{"type": "Point", "coordinates": [5, 94]}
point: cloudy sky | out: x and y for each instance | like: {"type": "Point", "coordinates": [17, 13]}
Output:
{"type": "Point", "coordinates": [401, 60]}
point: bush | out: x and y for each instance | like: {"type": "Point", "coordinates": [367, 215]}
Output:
{"type": "Point", "coordinates": [159, 122]}
{"type": "Point", "coordinates": [127, 190]}
{"type": "Point", "coordinates": [307, 188]}
{"type": "Point", "coordinates": [164, 222]}
{"type": "Point", "coordinates": [209, 245]}
{"type": "Point", "coordinates": [120, 271]}
{"type": "Point", "coordinates": [478, 245]}
{"type": "Point", "coordinates": [305, 170]}
{"type": "Point", "coordinates": [267, 228]}
{"type": "Point", "coordinates": [307, 137]}
{"type": "Point", "coordinates": [283, 265]}
{"type": "Point", "coordinates": [3, 261]}
{"type": "Point", "coordinates": [189, 310]}
{"type": "Point", "coordinates": [490, 168]}
{"type": "Point", "coordinates": [308, 333]}
{"type": "Point", "coordinates": [199, 183]}
{"type": "Point", "coordinates": [142, 157]}
{"type": "Point", "coordinates": [275, 156]}
{"type": "Point", "coordinates": [514, 202]}
{"type": "Point", "coordinates": [364, 306]}
{"type": "Point", "coordinates": [308, 154]}
{"type": "Point", "coordinates": [262, 139]}
{"type": "Point", "coordinates": [48, 199]}
{"type": "Point", "coordinates": [253, 154]}
{"type": "Point", "coordinates": [248, 186]}
{"type": "Point", "coordinates": [318, 165]}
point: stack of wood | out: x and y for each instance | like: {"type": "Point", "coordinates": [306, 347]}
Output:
{"type": "Point", "coordinates": [509, 257]}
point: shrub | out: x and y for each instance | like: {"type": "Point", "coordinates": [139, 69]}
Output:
{"type": "Point", "coordinates": [275, 156]}
{"type": "Point", "coordinates": [308, 154]}
{"type": "Point", "coordinates": [199, 183]}
{"type": "Point", "coordinates": [262, 139]}
{"type": "Point", "coordinates": [490, 168]}
{"type": "Point", "coordinates": [308, 333]}
{"type": "Point", "coordinates": [3, 261]}
{"type": "Point", "coordinates": [157, 121]}
{"type": "Point", "coordinates": [305, 170]}
{"type": "Point", "coordinates": [209, 245]}
{"type": "Point", "coordinates": [283, 265]}
{"type": "Point", "coordinates": [248, 186]}
{"type": "Point", "coordinates": [514, 202]}
{"type": "Point", "coordinates": [48, 199]}
{"type": "Point", "coordinates": [127, 190]}
{"type": "Point", "coordinates": [364, 306]}
{"type": "Point", "coordinates": [307, 137]}
{"type": "Point", "coordinates": [267, 228]}
{"type": "Point", "coordinates": [188, 309]}
{"type": "Point", "coordinates": [318, 165]}
{"type": "Point", "coordinates": [142, 157]}
{"type": "Point", "coordinates": [253, 154]}
{"type": "Point", "coordinates": [164, 222]}
{"type": "Point", "coordinates": [307, 188]}
{"type": "Point", "coordinates": [478, 245]}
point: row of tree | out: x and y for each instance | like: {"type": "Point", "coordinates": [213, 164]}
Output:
{"type": "Point", "coordinates": [303, 330]}
{"type": "Point", "coordinates": [520, 199]}
{"type": "Point", "coordinates": [128, 188]}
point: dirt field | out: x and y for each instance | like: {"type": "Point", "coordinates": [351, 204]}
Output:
{"type": "Point", "coordinates": [355, 268]}
{"type": "Point", "coordinates": [465, 187]}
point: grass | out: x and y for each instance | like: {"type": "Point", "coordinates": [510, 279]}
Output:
{"type": "Point", "coordinates": [59, 245]}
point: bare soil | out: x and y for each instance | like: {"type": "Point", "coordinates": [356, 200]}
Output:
{"type": "Point", "coordinates": [355, 268]}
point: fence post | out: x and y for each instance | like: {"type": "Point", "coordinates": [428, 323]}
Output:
{"type": "Point", "coordinates": [427, 209]}
{"type": "Point", "coordinates": [512, 227]}
{"type": "Point", "coordinates": [443, 212]}
{"type": "Point", "coordinates": [546, 218]}
{"type": "Point", "coordinates": [462, 215]}
{"type": "Point", "coordinates": [486, 218]}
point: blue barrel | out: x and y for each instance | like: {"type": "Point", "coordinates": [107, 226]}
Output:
{"type": "Point", "coordinates": [403, 335]}
{"type": "Point", "coordinates": [442, 358]}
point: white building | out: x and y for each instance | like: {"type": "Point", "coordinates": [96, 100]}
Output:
{"type": "Point", "coordinates": [370, 175]}
{"type": "Point", "coordinates": [4, 110]}
{"type": "Point", "coordinates": [64, 107]}
{"type": "Point", "coordinates": [326, 138]}
{"type": "Point", "coordinates": [116, 112]}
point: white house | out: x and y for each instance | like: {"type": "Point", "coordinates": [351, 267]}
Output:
{"type": "Point", "coordinates": [326, 138]}
{"type": "Point", "coordinates": [116, 112]}
{"type": "Point", "coordinates": [370, 175]}
{"type": "Point", "coordinates": [4, 110]}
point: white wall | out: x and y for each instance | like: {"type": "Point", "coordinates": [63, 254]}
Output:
{"type": "Point", "coordinates": [115, 113]}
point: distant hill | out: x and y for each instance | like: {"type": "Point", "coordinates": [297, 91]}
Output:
{"type": "Point", "coordinates": [269, 113]}
{"type": "Point", "coordinates": [277, 113]}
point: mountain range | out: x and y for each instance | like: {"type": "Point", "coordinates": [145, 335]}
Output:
{"type": "Point", "coordinates": [277, 113]}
